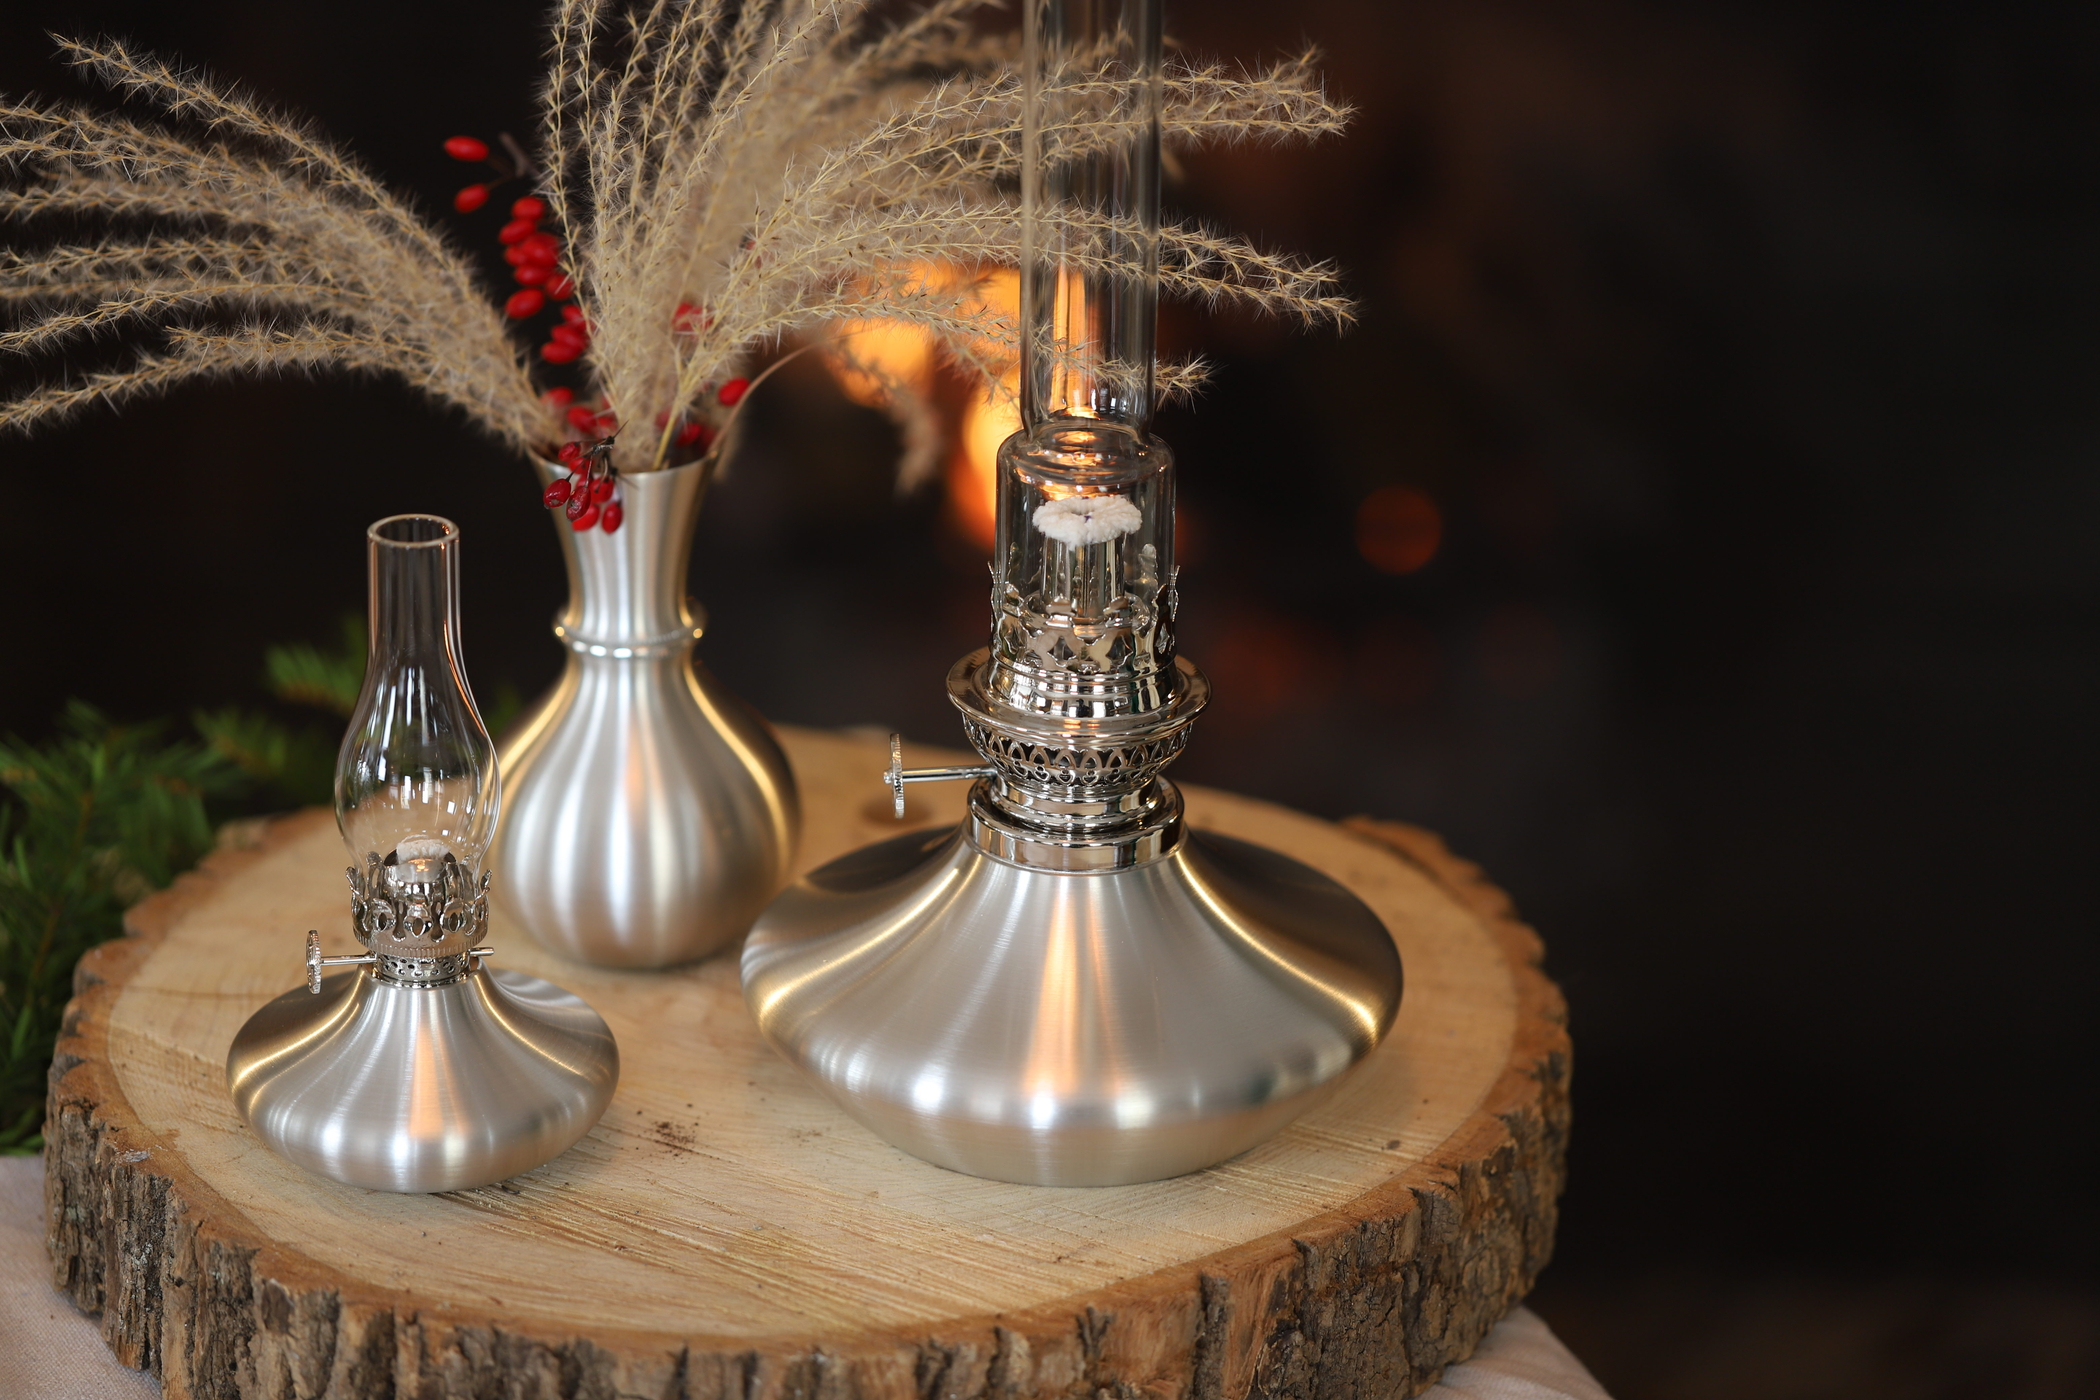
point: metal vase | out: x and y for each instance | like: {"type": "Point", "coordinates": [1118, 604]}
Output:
{"type": "Point", "coordinates": [649, 814]}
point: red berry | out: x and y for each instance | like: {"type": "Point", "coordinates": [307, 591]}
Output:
{"type": "Point", "coordinates": [733, 391]}
{"type": "Point", "coordinates": [556, 494]}
{"type": "Point", "coordinates": [570, 335]}
{"type": "Point", "coordinates": [556, 353]}
{"type": "Point", "coordinates": [607, 425]}
{"type": "Point", "coordinates": [560, 288]}
{"type": "Point", "coordinates": [530, 207]}
{"type": "Point", "coordinates": [602, 489]}
{"type": "Point", "coordinates": [573, 315]}
{"type": "Point", "coordinates": [570, 454]}
{"type": "Point", "coordinates": [525, 303]}
{"type": "Point", "coordinates": [471, 198]}
{"type": "Point", "coordinates": [561, 396]}
{"type": "Point", "coordinates": [582, 419]}
{"type": "Point", "coordinates": [586, 519]}
{"type": "Point", "coordinates": [579, 502]}
{"type": "Point", "coordinates": [466, 148]}
{"type": "Point", "coordinates": [610, 520]}
{"type": "Point", "coordinates": [698, 433]}
{"type": "Point", "coordinates": [529, 275]}
{"type": "Point", "coordinates": [516, 231]}
{"type": "Point", "coordinates": [540, 245]}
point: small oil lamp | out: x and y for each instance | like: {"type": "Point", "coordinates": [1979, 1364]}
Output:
{"type": "Point", "coordinates": [418, 1068]}
{"type": "Point", "coordinates": [1074, 988]}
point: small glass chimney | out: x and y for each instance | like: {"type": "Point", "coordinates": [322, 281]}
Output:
{"type": "Point", "coordinates": [416, 779]}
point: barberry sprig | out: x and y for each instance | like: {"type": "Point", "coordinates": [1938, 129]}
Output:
{"type": "Point", "coordinates": [513, 164]}
{"type": "Point", "coordinates": [534, 254]}
{"type": "Point", "coordinates": [589, 494]}
{"type": "Point", "coordinates": [595, 426]}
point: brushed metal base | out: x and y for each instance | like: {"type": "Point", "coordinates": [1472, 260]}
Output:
{"type": "Point", "coordinates": [398, 1087]}
{"type": "Point", "coordinates": [1071, 1029]}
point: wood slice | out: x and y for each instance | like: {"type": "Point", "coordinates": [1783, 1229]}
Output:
{"type": "Point", "coordinates": [725, 1232]}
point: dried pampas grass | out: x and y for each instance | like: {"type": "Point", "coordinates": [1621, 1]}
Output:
{"type": "Point", "coordinates": [783, 165]}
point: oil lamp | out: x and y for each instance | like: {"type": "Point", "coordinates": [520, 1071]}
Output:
{"type": "Point", "coordinates": [418, 1068]}
{"type": "Point", "coordinates": [1073, 987]}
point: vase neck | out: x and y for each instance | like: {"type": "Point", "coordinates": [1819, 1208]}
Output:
{"type": "Point", "coordinates": [627, 589]}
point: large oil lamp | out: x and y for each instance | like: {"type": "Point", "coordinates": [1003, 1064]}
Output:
{"type": "Point", "coordinates": [418, 1068]}
{"type": "Point", "coordinates": [1073, 987]}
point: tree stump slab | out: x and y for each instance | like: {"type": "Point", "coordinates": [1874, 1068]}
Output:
{"type": "Point", "coordinates": [725, 1232]}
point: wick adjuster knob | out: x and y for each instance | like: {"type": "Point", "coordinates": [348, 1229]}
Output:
{"type": "Point", "coordinates": [315, 962]}
{"type": "Point", "coordinates": [897, 775]}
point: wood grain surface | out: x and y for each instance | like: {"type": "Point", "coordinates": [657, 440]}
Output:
{"type": "Point", "coordinates": [724, 1231]}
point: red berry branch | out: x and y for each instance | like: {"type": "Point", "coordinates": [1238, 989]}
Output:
{"type": "Point", "coordinates": [590, 493]}
{"type": "Point", "coordinates": [533, 253]}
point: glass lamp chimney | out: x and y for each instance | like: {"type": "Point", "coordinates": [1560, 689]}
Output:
{"type": "Point", "coordinates": [1084, 558]}
{"type": "Point", "coordinates": [1089, 211]}
{"type": "Point", "coordinates": [416, 779]}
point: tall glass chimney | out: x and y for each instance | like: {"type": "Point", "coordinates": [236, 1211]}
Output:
{"type": "Point", "coordinates": [1090, 212]}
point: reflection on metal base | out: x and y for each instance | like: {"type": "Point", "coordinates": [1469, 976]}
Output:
{"type": "Point", "coordinates": [399, 1087]}
{"type": "Point", "coordinates": [1071, 1029]}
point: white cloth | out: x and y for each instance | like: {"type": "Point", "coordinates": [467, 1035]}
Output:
{"type": "Point", "coordinates": [50, 1350]}
{"type": "Point", "coordinates": [1520, 1360]}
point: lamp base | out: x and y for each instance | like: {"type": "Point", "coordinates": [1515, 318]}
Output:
{"type": "Point", "coordinates": [399, 1087]}
{"type": "Point", "coordinates": [1062, 1028]}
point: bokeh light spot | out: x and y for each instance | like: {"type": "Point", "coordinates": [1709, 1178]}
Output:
{"type": "Point", "coordinates": [1398, 529]}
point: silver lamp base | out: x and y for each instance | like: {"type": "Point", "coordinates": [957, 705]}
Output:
{"type": "Point", "coordinates": [1068, 1028]}
{"type": "Point", "coordinates": [399, 1087]}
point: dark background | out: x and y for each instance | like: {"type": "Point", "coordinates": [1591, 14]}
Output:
{"type": "Point", "coordinates": [1748, 354]}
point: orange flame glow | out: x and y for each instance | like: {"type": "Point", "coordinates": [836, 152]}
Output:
{"type": "Point", "coordinates": [881, 351]}
{"type": "Point", "coordinates": [973, 471]}
{"type": "Point", "coordinates": [864, 355]}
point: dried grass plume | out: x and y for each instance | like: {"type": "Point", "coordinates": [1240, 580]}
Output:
{"type": "Point", "coordinates": [782, 165]}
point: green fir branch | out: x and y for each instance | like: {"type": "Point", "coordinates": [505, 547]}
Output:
{"type": "Point", "coordinates": [326, 680]}
{"type": "Point", "coordinates": [93, 821]}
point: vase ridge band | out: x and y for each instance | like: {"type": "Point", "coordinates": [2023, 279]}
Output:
{"type": "Point", "coordinates": [625, 648]}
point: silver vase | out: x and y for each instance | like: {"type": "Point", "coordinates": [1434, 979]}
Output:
{"type": "Point", "coordinates": [649, 814]}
